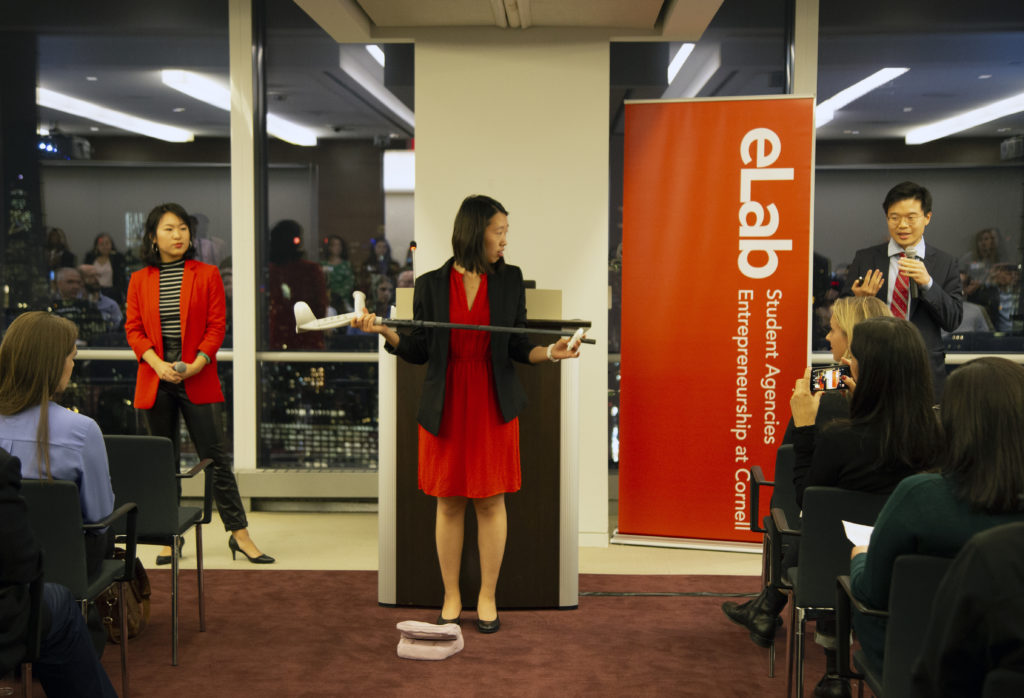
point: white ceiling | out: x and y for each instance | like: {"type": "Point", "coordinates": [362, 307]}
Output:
{"type": "Point", "coordinates": [946, 45]}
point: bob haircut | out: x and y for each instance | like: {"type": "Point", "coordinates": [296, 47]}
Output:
{"type": "Point", "coordinates": [894, 390]}
{"type": "Point", "coordinates": [471, 221]}
{"type": "Point", "coordinates": [851, 310]}
{"type": "Point", "coordinates": [982, 414]}
{"type": "Point", "coordinates": [908, 190]}
{"type": "Point", "coordinates": [286, 242]}
{"type": "Point", "coordinates": [32, 358]}
{"type": "Point", "coordinates": [150, 254]}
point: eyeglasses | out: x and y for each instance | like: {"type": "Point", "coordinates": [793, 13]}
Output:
{"type": "Point", "coordinates": [910, 218]}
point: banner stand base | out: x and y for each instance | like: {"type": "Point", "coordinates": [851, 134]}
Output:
{"type": "Point", "coordinates": [723, 546]}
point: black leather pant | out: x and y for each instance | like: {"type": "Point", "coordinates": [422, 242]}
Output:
{"type": "Point", "coordinates": [204, 427]}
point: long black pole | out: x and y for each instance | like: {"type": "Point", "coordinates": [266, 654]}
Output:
{"type": "Point", "coordinates": [482, 328]}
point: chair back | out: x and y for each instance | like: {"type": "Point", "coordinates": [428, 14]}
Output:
{"type": "Point", "coordinates": [824, 547]}
{"type": "Point", "coordinates": [143, 470]}
{"type": "Point", "coordinates": [55, 515]}
{"type": "Point", "coordinates": [784, 492]}
{"type": "Point", "coordinates": [915, 579]}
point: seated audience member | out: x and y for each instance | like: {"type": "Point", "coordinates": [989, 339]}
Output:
{"type": "Point", "coordinates": [110, 267]}
{"type": "Point", "coordinates": [383, 296]}
{"type": "Point", "coordinates": [70, 303]}
{"type": "Point", "coordinates": [1005, 307]}
{"type": "Point", "coordinates": [890, 434]}
{"type": "Point", "coordinates": [58, 255]}
{"type": "Point", "coordinates": [976, 318]}
{"type": "Point", "coordinates": [978, 486]}
{"type": "Point", "coordinates": [37, 356]}
{"type": "Point", "coordinates": [844, 315]}
{"type": "Point", "coordinates": [976, 263]}
{"type": "Point", "coordinates": [109, 309]}
{"type": "Point", "coordinates": [341, 280]}
{"type": "Point", "coordinates": [978, 626]}
{"type": "Point", "coordinates": [67, 665]}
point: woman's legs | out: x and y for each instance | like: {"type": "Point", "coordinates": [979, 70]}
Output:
{"type": "Point", "coordinates": [449, 531]}
{"type": "Point", "coordinates": [204, 426]}
{"type": "Point", "coordinates": [492, 529]}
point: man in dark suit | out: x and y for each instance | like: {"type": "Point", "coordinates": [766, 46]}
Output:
{"type": "Point", "coordinates": [930, 296]}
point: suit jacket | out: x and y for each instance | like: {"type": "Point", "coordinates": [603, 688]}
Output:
{"type": "Point", "coordinates": [203, 320]}
{"type": "Point", "coordinates": [507, 301]}
{"type": "Point", "coordinates": [20, 563]}
{"type": "Point", "coordinates": [939, 308]}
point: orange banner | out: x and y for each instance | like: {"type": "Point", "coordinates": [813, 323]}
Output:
{"type": "Point", "coordinates": [715, 306]}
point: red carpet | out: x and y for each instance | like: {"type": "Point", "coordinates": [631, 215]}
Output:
{"type": "Point", "coordinates": [287, 633]}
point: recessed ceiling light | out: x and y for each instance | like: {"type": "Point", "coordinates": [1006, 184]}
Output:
{"type": "Point", "coordinates": [94, 128]}
{"type": "Point", "coordinates": [851, 132]}
{"type": "Point", "coordinates": [216, 94]}
{"type": "Point", "coordinates": [1004, 129]}
{"type": "Point", "coordinates": [907, 109]}
{"type": "Point", "coordinates": [966, 120]}
{"type": "Point", "coordinates": [95, 112]}
{"type": "Point", "coordinates": [985, 76]}
{"type": "Point", "coordinates": [826, 110]}
{"type": "Point", "coordinates": [178, 110]}
{"type": "Point", "coordinates": [377, 53]}
{"type": "Point", "coordinates": [91, 78]}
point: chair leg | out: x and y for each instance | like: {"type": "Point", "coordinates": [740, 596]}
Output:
{"type": "Point", "coordinates": [26, 679]}
{"type": "Point", "coordinates": [199, 578]}
{"type": "Point", "coordinates": [798, 655]}
{"type": "Point", "coordinates": [771, 660]}
{"type": "Point", "coordinates": [175, 563]}
{"type": "Point", "coordinates": [124, 638]}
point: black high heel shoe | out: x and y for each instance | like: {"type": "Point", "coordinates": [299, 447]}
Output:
{"type": "Point", "coordinates": [166, 559]}
{"type": "Point", "coordinates": [263, 559]}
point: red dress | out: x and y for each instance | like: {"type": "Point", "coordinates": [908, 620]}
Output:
{"type": "Point", "coordinates": [476, 453]}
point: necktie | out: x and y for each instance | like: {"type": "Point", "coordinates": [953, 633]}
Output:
{"type": "Point", "coordinates": [900, 295]}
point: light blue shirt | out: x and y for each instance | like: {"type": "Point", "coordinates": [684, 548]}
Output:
{"type": "Point", "coordinates": [77, 453]}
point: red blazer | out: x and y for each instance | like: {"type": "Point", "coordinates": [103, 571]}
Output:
{"type": "Point", "coordinates": [203, 320]}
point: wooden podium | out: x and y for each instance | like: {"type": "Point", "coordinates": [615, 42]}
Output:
{"type": "Point", "coordinates": [540, 568]}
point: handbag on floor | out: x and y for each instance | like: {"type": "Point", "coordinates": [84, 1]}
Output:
{"type": "Point", "coordinates": [136, 603]}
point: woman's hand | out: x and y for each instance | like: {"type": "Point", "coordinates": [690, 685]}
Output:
{"type": "Point", "coordinates": [804, 403]}
{"type": "Point", "coordinates": [367, 322]}
{"type": "Point", "coordinates": [561, 349]}
{"type": "Point", "coordinates": [857, 550]}
{"type": "Point", "coordinates": [165, 371]}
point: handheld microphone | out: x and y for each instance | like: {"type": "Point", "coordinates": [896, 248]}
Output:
{"type": "Point", "coordinates": [179, 366]}
{"type": "Point", "coordinates": [911, 253]}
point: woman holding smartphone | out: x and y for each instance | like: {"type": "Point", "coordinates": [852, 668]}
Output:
{"type": "Point", "coordinates": [175, 324]}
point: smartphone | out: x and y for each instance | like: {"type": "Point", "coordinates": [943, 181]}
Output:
{"type": "Point", "coordinates": [829, 377]}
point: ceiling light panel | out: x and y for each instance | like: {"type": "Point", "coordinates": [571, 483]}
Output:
{"type": "Point", "coordinates": [825, 111]}
{"type": "Point", "coordinates": [95, 112]}
{"type": "Point", "coordinates": [966, 120]}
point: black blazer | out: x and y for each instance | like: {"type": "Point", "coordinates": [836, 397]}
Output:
{"type": "Point", "coordinates": [507, 300]}
{"type": "Point", "coordinates": [20, 563]}
{"type": "Point", "coordinates": [939, 308]}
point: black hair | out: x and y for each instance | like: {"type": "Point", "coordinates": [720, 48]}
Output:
{"type": "Point", "coordinates": [468, 232]}
{"type": "Point", "coordinates": [982, 414]}
{"type": "Point", "coordinates": [149, 253]}
{"type": "Point", "coordinates": [286, 242]}
{"type": "Point", "coordinates": [908, 190]}
{"type": "Point", "coordinates": [895, 391]}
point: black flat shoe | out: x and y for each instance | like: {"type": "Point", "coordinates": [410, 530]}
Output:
{"type": "Point", "coordinates": [262, 559]}
{"type": "Point", "coordinates": [166, 559]}
{"type": "Point", "coordinates": [441, 620]}
{"type": "Point", "coordinates": [488, 626]}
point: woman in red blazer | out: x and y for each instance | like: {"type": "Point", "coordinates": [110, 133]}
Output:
{"type": "Point", "coordinates": [175, 324]}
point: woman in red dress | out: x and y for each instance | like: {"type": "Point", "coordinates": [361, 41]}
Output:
{"type": "Point", "coordinates": [468, 415]}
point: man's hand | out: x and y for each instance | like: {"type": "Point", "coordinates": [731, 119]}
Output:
{"type": "Point", "coordinates": [915, 269]}
{"type": "Point", "coordinates": [870, 284]}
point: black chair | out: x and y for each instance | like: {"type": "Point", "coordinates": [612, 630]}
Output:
{"type": "Point", "coordinates": [143, 470]}
{"type": "Point", "coordinates": [915, 579]}
{"type": "Point", "coordinates": [32, 635]}
{"type": "Point", "coordinates": [784, 498]}
{"type": "Point", "coordinates": [55, 513]}
{"type": "Point", "coordinates": [824, 555]}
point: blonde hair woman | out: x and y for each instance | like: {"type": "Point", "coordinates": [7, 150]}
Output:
{"type": "Point", "coordinates": [36, 359]}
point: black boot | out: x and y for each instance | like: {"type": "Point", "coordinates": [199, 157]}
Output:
{"type": "Point", "coordinates": [831, 686]}
{"type": "Point", "coordinates": [760, 616]}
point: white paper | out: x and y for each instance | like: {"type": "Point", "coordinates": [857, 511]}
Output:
{"type": "Point", "coordinates": [858, 534]}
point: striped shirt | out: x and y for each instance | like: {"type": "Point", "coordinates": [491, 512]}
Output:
{"type": "Point", "coordinates": [170, 298]}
